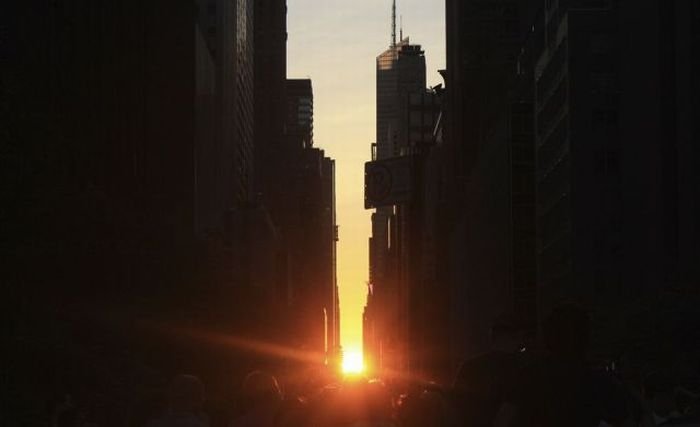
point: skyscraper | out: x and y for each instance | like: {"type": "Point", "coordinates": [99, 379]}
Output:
{"type": "Point", "coordinates": [489, 225]}
{"type": "Point", "coordinates": [573, 163]}
{"type": "Point", "coordinates": [400, 73]}
{"type": "Point", "coordinates": [270, 100]}
{"type": "Point", "coordinates": [225, 183]}
{"type": "Point", "coordinates": [119, 114]}
{"type": "Point", "coordinates": [272, 159]}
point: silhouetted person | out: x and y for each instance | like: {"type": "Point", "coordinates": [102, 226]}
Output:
{"type": "Point", "coordinates": [356, 402]}
{"type": "Point", "coordinates": [185, 401]}
{"type": "Point", "coordinates": [293, 412]}
{"type": "Point", "coordinates": [379, 410]}
{"type": "Point", "coordinates": [662, 398]}
{"type": "Point", "coordinates": [561, 390]}
{"type": "Point", "coordinates": [427, 409]}
{"type": "Point", "coordinates": [484, 384]}
{"type": "Point", "coordinates": [260, 401]}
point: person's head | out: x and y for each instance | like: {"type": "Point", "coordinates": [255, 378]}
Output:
{"type": "Point", "coordinates": [506, 334]}
{"type": "Point", "coordinates": [186, 393]}
{"type": "Point", "coordinates": [260, 388]}
{"type": "Point", "coordinates": [567, 332]}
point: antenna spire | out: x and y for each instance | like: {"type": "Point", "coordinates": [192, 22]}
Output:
{"type": "Point", "coordinates": [393, 24]}
{"type": "Point", "coordinates": [401, 29]}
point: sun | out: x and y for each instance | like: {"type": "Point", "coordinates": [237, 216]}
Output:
{"type": "Point", "coordinates": [352, 363]}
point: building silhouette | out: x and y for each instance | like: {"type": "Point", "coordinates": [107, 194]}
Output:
{"type": "Point", "coordinates": [315, 290]}
{"type": "Point", "coordinates": [542, 176]}
{"type": "Point", "coordinates": [307, 222]}
{"type": "Point", "coordinates": [610, 179]}
{"type": "Point", "coordinates": [563, 180]}
{"type": "Point", "coordinates": [490, 219]}
{"type": "Point", "coordinates": [402, 120]}
{"type": "Point", "coordinates": [227, 30]}
{"type": "Point", "coordinates": [400, 72]}
{"type": "Point", "coordinates": [272, 168]}
{"type": "Point", "coordinates": [132, 194]}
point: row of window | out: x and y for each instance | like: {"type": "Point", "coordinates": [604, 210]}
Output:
{"type": "Point", "coordinates": [554, 185]}
{"type": "Point", "coordinates": [557, 65]}
{"type": "Point", "coordinates": [554, 146]}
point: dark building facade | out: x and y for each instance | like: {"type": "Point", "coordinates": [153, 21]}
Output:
{"type": "Point", "coordinates": [315, 288]}
{"type": "Point", "coordinates": [272, 168]}
{"type": "Point", "coordinates": [400, 73]}
{"type": "Point", "coordinates": [122, 154]}
{"type": "Point", "coordinates": [421, 296]}
{"type": "Point", "coordinates": [270, 99]}
{"type": "Point", "coordinates": [227, 30]}
{"type": "Point", "coordinates": [308, 223]}
{"type": "Point", "coordinates": [489, 228]}
{"type": "Point", "coordinates": [612, 161]}
{"type": "Point", "coordinates": [568, 124]}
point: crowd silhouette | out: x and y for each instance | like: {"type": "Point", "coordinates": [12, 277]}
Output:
{"type": "Point", "coordinates": [508, 386]}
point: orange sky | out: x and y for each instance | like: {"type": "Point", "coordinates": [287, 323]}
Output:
{"type": "Point", "coordinates": [335, 42]}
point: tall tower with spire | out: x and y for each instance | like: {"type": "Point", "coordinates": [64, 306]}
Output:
{"type": "Point", "coordinates": [393, 24]}
{"type": "Point", "coordinates": [400, 72]}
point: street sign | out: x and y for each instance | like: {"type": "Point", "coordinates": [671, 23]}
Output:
{"type": "Point", "coordinates": [387, 182]}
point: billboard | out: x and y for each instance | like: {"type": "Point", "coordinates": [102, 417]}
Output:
{"type": "Point", "coordinates": [388, 182]}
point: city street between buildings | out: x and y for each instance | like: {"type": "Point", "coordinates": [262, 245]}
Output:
{"type": "Point", "coordinates": [366, 213]}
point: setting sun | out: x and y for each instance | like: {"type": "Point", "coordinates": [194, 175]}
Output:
{"type": "Point", "coordinates": [352, 362]}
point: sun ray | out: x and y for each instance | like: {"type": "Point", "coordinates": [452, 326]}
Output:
{"type": "Point", "coordinates": [353, 363]}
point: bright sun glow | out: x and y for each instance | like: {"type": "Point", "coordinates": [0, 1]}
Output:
{"type": "Point", "coordinates": [352, 362]}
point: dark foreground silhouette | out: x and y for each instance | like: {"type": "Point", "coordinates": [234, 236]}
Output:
{"type": "Point", "coordinates": [509, 386]}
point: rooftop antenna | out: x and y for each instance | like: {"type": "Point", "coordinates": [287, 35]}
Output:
{"type": "Point", "coordinates": [393, 24]}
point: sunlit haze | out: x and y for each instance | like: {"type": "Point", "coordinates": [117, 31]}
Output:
{"type": "Point", "coordinates": [352, 363]}
{"type": "Point", "coordinates": [335, 43]}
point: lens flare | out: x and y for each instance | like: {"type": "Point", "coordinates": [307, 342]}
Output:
{"type": "Point", "coordinates": [352, 362]}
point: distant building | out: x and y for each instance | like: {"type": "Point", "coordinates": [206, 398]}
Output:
{"type": "Point", "coordinates": [300, 114]}
{"type": "Point", "coordinates": [400, 75]}
{"type": "Point", "coordinates": [400, 72]}
{"type": "Point", "coordinates": [315, 291]}
{"type": "Point", "coordinates": [307, 220]}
